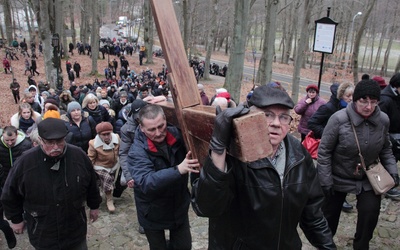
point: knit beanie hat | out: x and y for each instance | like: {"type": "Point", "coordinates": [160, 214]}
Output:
{"type": "Point", "coordinates": [72, 106]}
{"type": "Point", "coordinates": [104, 127]}
{"type": "Point", "coordinates": [104, 101]}
{"type": "Point", "coordinates": [395, 80]}
{"type": "Point", "coordinates": [52, 101]}
{"type": "Point", "coordinates": [368, 88]}
{"type": "Point", "coordinates": [51, 114]}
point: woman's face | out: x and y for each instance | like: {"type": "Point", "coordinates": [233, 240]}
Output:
{"type": "Point", "coordinates": [92, 105]}
{"type": "Point", "coordinates": [76, 114]}
{"type": "Point", "coordinates": [26, 113]}
{"type": "Point", "coordinates": [348, 95]}
{"type": "Point", "coordinates": [312, 93]}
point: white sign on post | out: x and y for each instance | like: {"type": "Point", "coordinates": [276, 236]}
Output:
{"type": "Point", "coordinates": [324, 37]}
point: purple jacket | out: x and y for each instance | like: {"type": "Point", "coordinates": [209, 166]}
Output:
{"type": "Point", "coordinates": [306, 111]}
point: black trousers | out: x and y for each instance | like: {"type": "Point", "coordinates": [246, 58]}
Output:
{"type": "Point", "coordinates": [368, 207]}
{"type": "Point", "coordinates": [179, 238]}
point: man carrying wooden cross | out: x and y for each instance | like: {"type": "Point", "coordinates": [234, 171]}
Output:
{"type": "Point", "coordinates": [258, 205]}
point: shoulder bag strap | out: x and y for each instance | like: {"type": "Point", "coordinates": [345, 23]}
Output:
{"type": "Point", "coordinates": [358, 146]}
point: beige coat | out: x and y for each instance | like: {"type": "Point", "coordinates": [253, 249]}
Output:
{"type": "Point", "coordinates": [104, 155]}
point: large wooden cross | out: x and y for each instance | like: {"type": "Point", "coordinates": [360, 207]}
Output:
{"type": "Point", "coordinates": [195, 120]}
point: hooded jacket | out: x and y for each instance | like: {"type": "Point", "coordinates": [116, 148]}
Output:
{"type": "Point", "coordinates": [250, 208]}
{"type": "Point", "coordinates": [9, 155]}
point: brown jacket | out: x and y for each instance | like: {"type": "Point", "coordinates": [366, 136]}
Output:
{"type": "Point", "coordinates": [102, 154]}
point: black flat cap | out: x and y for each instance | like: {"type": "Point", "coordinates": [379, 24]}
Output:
{"type": "Point", "coordinates": [52, 129]}
{"type": "Point", "coordinates": [265, 96]}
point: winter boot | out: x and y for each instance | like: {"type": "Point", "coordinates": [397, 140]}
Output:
{"type": "Point", "coordinates": [110, 202]}
{"type": "Point", "coordinates": [8, 233]}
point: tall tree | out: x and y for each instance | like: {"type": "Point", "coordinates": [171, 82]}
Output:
{"type": "Point", "coordinates": [264, 74]}
{"type": "Point", "coordinates": [358, 37]}
{"type": "Point", "coordinates": [211, 36]}
{"type": "Point", "coordinates": [234, 75]}
{"type": "Point", "coordinates": [301, 47]}
{"type": "Point", "coordinates": [45, 19]}
{"type": "Point", "coordinates": [8, 21]}
{"type": "Point", "coordinates": [95, 37]}
{"type": "Point", "coordinates": [148, 32]}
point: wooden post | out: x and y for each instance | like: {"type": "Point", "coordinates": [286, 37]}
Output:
{"type": "Point", "coordinates": [195, 120]}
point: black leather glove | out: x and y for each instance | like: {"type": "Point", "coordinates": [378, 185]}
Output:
{"type": "Point", "coordinates": [396, 179]}
{"type": "Point", "coordinates": [328, 191]}
{"type": "Point", "coordinates": [221, 135]}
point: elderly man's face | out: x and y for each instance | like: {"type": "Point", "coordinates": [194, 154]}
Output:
{"type": "Point", "coordinates": [53, 148]}
{"type": "Point", "coordinates": [279, 126]}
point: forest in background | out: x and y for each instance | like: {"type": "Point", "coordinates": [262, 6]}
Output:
{"type": "Point", "coordinates": [265, 30]}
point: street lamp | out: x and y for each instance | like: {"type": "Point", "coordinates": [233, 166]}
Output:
{"type": "Point", "coordinates": [350, 39]}
{"type": "Point", "coordinates": [55, 42]}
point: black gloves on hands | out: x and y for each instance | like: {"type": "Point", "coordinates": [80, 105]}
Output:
{"type": "Point", "coordinates": [221, 135]}
{"type": "Point", "coordinates": [328, 191]}
{"type": "Point", "coordinates": [396, 179]}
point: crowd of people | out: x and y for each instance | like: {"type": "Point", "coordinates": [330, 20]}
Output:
{"type": "Point", "coordinates": [65, 150]}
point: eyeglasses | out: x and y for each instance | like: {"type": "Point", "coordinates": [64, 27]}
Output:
{"type": "Point", "coordinates": [58, 142]}
{"type": "Point", "coordinates": [365, 102]}
{"type": "Point", "coordinates": [284, 119]}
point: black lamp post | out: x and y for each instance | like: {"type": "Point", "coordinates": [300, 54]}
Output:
{"type": "Point", "coordinates": [55, 42]}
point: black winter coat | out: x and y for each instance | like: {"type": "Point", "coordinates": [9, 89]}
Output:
{"type": "Point", "coordinates": [100, 114]}
{"type": "Point", "coordinates": [319, 119]}
{"type": "Point", "coordinates": [390, 104]}
{"type": "Point", "coordinates": [249, 207]}
{"type": "Point", "coordinates": [80, 136]}
{"type": "Point", "coordinates": [52, 201]}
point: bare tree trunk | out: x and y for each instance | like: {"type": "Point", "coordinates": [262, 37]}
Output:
{"type": "Point", "coordinates": [95, 37]}
{"type": "Point", "coordinates": [379, 51]}
{"type": "Point", "coordinates": [301, 48]}
{"type": "Point", "coordinates": [148, 32]}
{"type": "Point", "coordinates": [392, 36]}
{"type": "Point", "coordinates": [358, 39]}
{"type": "Point", "coordinates": [186, 21]}
{"type": "Point", "coordinates": [211, 35]}
{"type": "Point", "coordinates": [234, 76]}
{"type": "Point", "coordinates": [8, 21]}
{"type": "Point", "coordinates": [264, 74]}
{"type": "Point", "coordinates": [397, 69]}
{"type": "Point", "coordinates": [72, 20]}
{"type": "Point", "coordinates": [28, 23]}
{"type": "Point", "coordinates": [43, 10]}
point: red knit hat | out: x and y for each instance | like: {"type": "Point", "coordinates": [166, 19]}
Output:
{"type": "Point", "coordinates": [312, 86]}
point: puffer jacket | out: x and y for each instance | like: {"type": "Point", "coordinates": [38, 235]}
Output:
{"type": "Point", "coordinates": [52, 201]}
{"type": "Point", "coordinates": [338, 152]}
{"type": "Point", "coordinates": [306, 111]}
{"type": "Point", "coordinates": [250, 208]}
{"type": "Point", "coordinates": [161, 193]}
{"type": "Point", "coordinates": [82, 134]}
{"type": "Point", "coordinates": [99, 114]}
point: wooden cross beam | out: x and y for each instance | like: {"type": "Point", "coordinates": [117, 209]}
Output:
{"type": "Point", "coordinates": [195, 120]}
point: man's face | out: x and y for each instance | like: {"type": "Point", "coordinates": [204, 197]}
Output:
{"type": "Point", "coordinates": [122, 99]}
{"type": "Point", "coordinates": [155, 129]}
{"type": "Point", "coordinates": [145, 93]}
{"type": "Point", "coordinates": [10, 140]}
{"type": "Point", "coordinates": [105, 137]}
{"type": "Point", "coordinates": [53, 148]}
{"type": "Point", "coordinates": [103, 94]}
{"type": "Point", "coordinates": [277, 129]}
